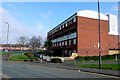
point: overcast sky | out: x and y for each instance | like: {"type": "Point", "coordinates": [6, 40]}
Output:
{"type": "Point", "coordinates": [37, 18]}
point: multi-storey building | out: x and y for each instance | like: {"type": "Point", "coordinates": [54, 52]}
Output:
{"type": "Point", "coordinates": [79, 34]}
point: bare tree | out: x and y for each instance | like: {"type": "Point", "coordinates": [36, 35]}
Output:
{"type": "Point", "coordinates": [35, 42]}
{"type": "Point", "coordinates": [39, 41]}
{"type": "Point", "coordinates": [23, 40]}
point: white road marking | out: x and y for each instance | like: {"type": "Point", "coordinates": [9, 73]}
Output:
{"type": "Point", "coordinates": [9, 66]}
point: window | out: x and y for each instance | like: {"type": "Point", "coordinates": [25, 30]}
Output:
{"type": "Point", "coordinates": [74, 20]}
{"type": "Point", "coordinates": [66, 24]}
{"type": "Point", "coordinates": [55, 30]}
{"type": "Point", "coordinates": [53, 45]}
{"type": "Point", "coordinates": [65, 42]}
{"type": "Point", "coordinates": [74, 51]}
{"type": "Point", "coordinates": [62, 43]}
{"type": "Point", "coordinates": [73, 35]}
{"type": "Point", "coordinates": [56, 44]}
{"type": "Point", "coordinates": [69, 42]}
{"type": "Point", "coordinates": [63, 26]}
{"type": "Point", "coordinates": [74, 41]}
{"type": "Point", "coordinates": [70, 52]}
{"type": "Point", "coordinates": [70, 22]}
{"type": "Point", "coordinates": [60, 28]}
{"type": "Point", "coordinates": [66, 51]}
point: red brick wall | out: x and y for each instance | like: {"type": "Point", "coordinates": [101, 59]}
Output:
{"type": "Point", "coordinates": [113, 41]}
{"type": "Point", "coordinates": [87, 29]}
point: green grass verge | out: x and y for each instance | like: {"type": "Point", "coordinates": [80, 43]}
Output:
{"type": "Point", "coordinates": [103, 66]}
{"type": "Point", "coordinates": [18, 58]}
{"type": "Point", "coordinates": [0, 52]}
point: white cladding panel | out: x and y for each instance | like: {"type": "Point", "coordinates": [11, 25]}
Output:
{"type": "Point", "coordinates": [91, 14]}
{"type": "Point", "coordinates": [113, 24]}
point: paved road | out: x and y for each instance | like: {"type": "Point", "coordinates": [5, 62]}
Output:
{"type": "Point", "coordinates": [23, 70]}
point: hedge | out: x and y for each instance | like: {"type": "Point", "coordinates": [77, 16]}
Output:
{"type": "Point", "coordinates": [56, 60]}
{"type": "Point", "coordinates": [105, 57]}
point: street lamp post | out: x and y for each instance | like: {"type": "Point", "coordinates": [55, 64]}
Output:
{"type": "Point", "coordinates": [7, 33]}
{"type": "Point", "coordinates": [99, 40]}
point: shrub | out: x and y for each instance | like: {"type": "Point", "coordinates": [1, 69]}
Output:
{"type": "Point", "coordinates": [88, 58]}
{"type": "Point", "coordinates": [79, 58]}
{"type": "Point", "coordinates": [25, 60]}
{"type": "Point", "coordinates": [108, 57]}
{"type": "Point", "coordinates": [94, 57]}
{"type": "Point", "coordinates": [56, 60]}
{"type": "Point", "coordinates": [47, 53]}
{"type": "Point", "coordinates": [29, 54]}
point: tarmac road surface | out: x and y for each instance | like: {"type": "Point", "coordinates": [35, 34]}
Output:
{"type": "Point", "coordinates": [24, 70]}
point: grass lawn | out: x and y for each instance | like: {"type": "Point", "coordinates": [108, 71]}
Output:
{"type": "Point", "coordinates": [22, 57]}
{"type": "Point", "coordinates": [0, 52]}
{"type": "Point", "coordinates": [103, 66]}
{"type": "Point", "coordinates": [19, 58]}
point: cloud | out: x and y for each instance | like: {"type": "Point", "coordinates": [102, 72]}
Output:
{"type": "Point", "coordinates": [13, 9]}
{"type": "Point", "coordinates": [16, 28]}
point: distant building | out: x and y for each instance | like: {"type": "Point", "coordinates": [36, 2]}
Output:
{"type": "Point", "coordinates": [79, 34]}
{"type": "Point", "coordinates": [13, 47]}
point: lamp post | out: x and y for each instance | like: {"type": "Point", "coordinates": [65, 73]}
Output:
{"type": "Point", "coordinates": [7, 32]}
{"type": "Point", "coordinates": [99, 40]}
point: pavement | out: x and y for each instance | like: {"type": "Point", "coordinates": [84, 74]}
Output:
{"type": "Point", "coordinates": [73, 67]}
